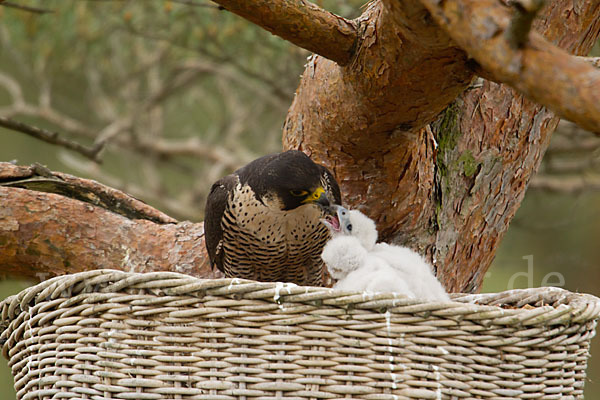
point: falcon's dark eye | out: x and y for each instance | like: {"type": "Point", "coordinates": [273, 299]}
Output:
{"type": "Point", "coordinates": [349, 227]}
{"type": "Point", "coordinates": [298, 193]}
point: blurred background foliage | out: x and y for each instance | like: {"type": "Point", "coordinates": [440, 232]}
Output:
{"type": "Point", "coordinates": [179, 93]}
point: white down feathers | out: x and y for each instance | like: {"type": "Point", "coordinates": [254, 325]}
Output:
{"type": "Point", "coordinates": [359, 263]}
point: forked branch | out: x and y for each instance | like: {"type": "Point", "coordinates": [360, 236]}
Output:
{"type": "Point", "coordinates": [93, 153]}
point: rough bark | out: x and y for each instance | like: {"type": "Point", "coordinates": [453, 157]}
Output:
{"type": "Point", "coordinates": [449, 192]}
{"type": "Point", "coordinates": [495, 147]}
{"type": "Point", "coordinates": [45, 234]}
{"type": "Point", "coordinates": [360, 120]}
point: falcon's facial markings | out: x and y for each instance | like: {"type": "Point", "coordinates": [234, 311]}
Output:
{"type": "Point", "coordinates": [290, 197]}
{"type": "Point", "coordinates": [286, 181]}
{"type": "Point", "coordinates": [294, 198]}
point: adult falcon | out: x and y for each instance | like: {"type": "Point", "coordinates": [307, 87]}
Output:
{"type": "Point", "coordinates": [263, 221]}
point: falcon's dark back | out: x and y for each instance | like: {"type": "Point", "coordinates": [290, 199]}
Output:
{"type": "Point", "coordinates": [213, 215]}
{"type": "Point", "coordinates": [246, 212]}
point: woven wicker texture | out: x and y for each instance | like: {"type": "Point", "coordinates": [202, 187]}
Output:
{"type": "Point", "coordinates": [113, 335]}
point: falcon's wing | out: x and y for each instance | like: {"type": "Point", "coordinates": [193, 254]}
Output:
{"type": "Point", "coordinates": [213, 215]}
{"type": "Point", "coordinates": [330, 185]}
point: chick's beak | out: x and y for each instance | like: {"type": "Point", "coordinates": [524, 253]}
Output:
{"type": "Point", "coordinates": [334, 216]}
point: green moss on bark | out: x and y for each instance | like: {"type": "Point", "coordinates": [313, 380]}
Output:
{"type": "Point", "coordinates": [469, 165]}
{"type": "Point", "coordinates": [447, 133]}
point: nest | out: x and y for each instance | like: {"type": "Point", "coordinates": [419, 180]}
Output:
{"type": "Point", "coordinates": [113, 335]}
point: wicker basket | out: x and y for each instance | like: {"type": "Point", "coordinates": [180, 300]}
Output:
{"type": "Point", "coordinates": [113, 335]}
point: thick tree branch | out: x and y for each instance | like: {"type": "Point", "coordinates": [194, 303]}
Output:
{"type": "Point", "coordinates": [448, 192]}
{"type": "Point", "coordinates": [46, 234]}
{"type": "Point", "coordinates": [39, 178]}
{"type": "Point", "coordinates": [183, 204]}
{"type": "Point", "coordinates": [364, 120]}
{"type": "Point", "coordinates": [493, 141]}
{"type": "Point", "coordinates": [93, 153]}
{"type": "Point", "coordinates": [476, 25]}
{"type": "Point", "coordinates": [302, 23]}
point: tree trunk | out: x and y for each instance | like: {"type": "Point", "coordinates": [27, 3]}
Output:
{"type": "Point", "coordinates": [449, 191]}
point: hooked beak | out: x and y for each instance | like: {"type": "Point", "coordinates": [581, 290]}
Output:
{"type": "Point", "coordinates": [319, 197]}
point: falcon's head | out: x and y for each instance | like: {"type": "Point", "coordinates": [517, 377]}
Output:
{"type": "Point", "coordinates": [289, 180]}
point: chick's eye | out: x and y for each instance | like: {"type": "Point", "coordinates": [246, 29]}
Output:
{"type": "Point", "coordinates": [349, 227]}
{"type": "Point", "coordinates": [298, 193]}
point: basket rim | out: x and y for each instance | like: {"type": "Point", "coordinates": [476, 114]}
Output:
{"type": "Point", "coordinates": [548, 305]}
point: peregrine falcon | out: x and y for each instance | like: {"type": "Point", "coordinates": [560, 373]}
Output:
{"type": "Point", "coordinates": [263, 221]}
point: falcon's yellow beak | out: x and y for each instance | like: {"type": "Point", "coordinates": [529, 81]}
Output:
{"type": "Point", "coordinates": [318, 196]}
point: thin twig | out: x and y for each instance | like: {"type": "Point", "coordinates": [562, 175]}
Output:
{"type": "Point", "coordinates": [571, 163]}
{"type": "Point", "coordinates": [191, 147]}
{"type": "Point", "coordinates": [198, 4]}
{"type": "Point", "coordinates": [216, 67]}
{"type": "Point", "coordinates": [26, 8]}
{"type": "Point", "coordinates": [571, 139]}
{"type": "Point", "coordinates": [52, 138]}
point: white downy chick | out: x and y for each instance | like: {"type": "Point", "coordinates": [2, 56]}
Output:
{"type": "Point", "coordinates": [413, 269]}
{"type": "Point", "coordinates": [359, 263]}
{"type": "Point", "coordinates": [374, 275]}
{"type": "Point", "coordinates": [354, 269]}
{"type": "Point", "coordinates": [342, 255]}
{"type": "Point", "coordinates": [345, 252]}
{"type": "Point", "coordinates": [355, 224]}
